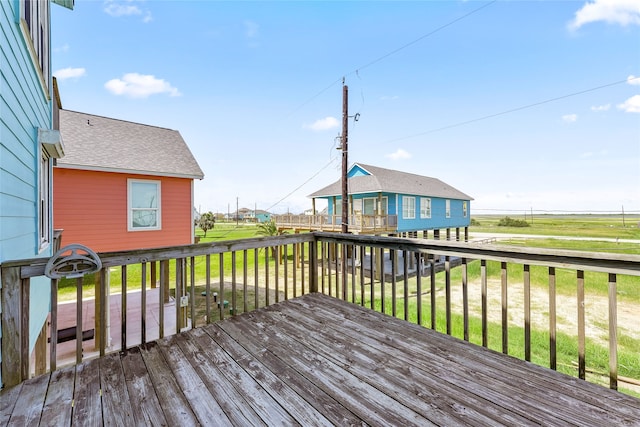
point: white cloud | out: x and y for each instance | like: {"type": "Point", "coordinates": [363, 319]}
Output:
{"type": "Point", "coordinates": [604, 107]}
{"type": "Point", "coordinates": [324, 124]}
{"type": "Point", "coordinates": [399, 154]}
{"type": "Point", "coordinates": [631, 105]}
{"type": "Point", "coordinates": [633, 80]}
{"type": "Point", "coordinates": [569, 118]}
{"type": "Point", "coordinates": [69, 73]}
{"type": "Point", "coordinates": [623, 12]}
{"type": "Point", "coordinates": [136, 85]}
{"type": "Point", "coordinates": [117, 8]}
{"type": "Point", "coordinates": [389, 98]}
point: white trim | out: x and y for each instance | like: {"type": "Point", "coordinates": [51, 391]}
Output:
{"type": "Point", "coordinates": [409, 214]}
{"type": "Point", "coordinates": [158, 225]}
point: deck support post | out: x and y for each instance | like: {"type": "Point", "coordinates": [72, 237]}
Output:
{"type": "Point", "coordinates": [15, 327]}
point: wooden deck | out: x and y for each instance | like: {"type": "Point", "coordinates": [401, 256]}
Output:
{"type": "Point", "coordinates": [313, 360]}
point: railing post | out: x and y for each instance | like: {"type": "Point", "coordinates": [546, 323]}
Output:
{"type": "Point", "coordinates": [15, 327]}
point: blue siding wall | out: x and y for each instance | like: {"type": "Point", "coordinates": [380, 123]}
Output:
{"type": "Point", "coordinates": [24, 107]}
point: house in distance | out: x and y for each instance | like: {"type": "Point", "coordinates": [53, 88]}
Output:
{"type": "Point", "coordinates": [387, 202]}
{"type": "Point", "coordinates": [123, 185]}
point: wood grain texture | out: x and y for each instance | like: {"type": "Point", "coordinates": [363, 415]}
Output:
{"type": "Point", "coordinates": [317, 361]}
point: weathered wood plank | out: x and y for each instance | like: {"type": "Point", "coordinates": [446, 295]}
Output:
{"type": "Point", "coordinates": [29, 405]}
{"type": "Point", "coordinates": [116, 406]}
{"type": "Point", "coordinates": [230, 400]}
{"type": "Point", "coordinates": [8, 398]}
{"type": "Point", "coordinates": [429, 395]}
{"type": "Point", "coordinates": [59, 401]}
{"type": "Point", "coordinates": [175, 405]}
{"type": "Point", "coordinates": [144, 403]}
{"type": "Point", "coordinates": [285, 386]}
{"type": "Point", "coordinates": [268, 408]}
{"type": "Point", "coordinates": [87, 403]}
{"type": "Point", "coordinates": [559, 396]}
{"type": "Point", "coordinates": [365, 400]}
{"type": "Point", "coordinates": [11, 326]}
{"type": "Point", "coordinates": [194, 389]}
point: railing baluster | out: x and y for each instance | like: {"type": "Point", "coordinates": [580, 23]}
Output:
{"type": "Point", "coordinates": [143, 304]}
{"type": "Point", "coordinates": [178, 293]}
{"type": "Point", "coordinates": [527, 312]}
{"type": "Point", "coordinates": [504, 305]}
{"type": "Point", "coordinates": [372, 276]}
{"type": "Point", "coordinates": [256, 283]}
{"type": "Point", "coordinates": [382, 290]}
{"type": "Point", "coordinates": [266, 276]}
{"type": "Point", "coordinates": [353, 273]}
{"type": "Point", "coordinates": [361, 255]}
{"type": "Point", "coordinates": [79, 326]}
{"type": "Point", "coordinates": [394, 271]}
{"type": "Point", "coordinates": [465, 298]}
{"type": "Point", "coordinates": [613, 332]}
{"type": "Point", "coordinates": [432, 274]}
{"type": "Point", "coordinates": [207, 287]}
{"type": "Point", "coordinates": [483, 285]}
{"type": "Point", "coordinates": [419, 287]}
{"type": "Point", "coordinates": [581, 331]}
{"type": "Point", "coordinates": [234, 302]}
{"type": "Point", "coordinates": [552, 319]}
{"type": "Point", "coordinates": [286, 272]}
{"type": "Point", "coordinates": [102, 312]}
{"type": "Point", "coordinates": [220, 301]}
{"type": "Point", "coordinates": [302, 268]}
{"type": "Point", "coordinates": [343, 269]}
{"type": "Point", "coordinates": [192, 291]}
{"type": "Point", "coordinates": [53, 326]}
{"type": "Point", "coordinates": [276, 266]}
{"type": "Point", "coordinates": [447, 286]}
{"type": "Point", "coordinates": [123, 309]}
{"type": "Point", "coordinates": [295, 270]}
{"type": "Point", "coordinates": [245, 285]}
{"type": "Point", "coordinates": [323, 256]}
{"type": "Point", "coordinates": [405, 256]}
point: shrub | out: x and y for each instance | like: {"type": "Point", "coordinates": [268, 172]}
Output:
{"type": "Point", "coordinates": [510, 222]}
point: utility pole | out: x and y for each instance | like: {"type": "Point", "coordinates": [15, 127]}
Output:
{"type": "Point", "coordinates": [345, 125]}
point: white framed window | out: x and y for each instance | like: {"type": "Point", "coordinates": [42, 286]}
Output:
{"type": "Point", "coordinates": [408, 207]}
{"type": "Point", "coordinates": [464, 209]}
{"type": "Point", "coordinates": [44, 200]}
{"type": "Point", "coordinates": [143, 205]}
{"type": "Point", "coordinates": [425, 207]}
{"type": "Point", "coordinates": [34, 20]}
{"type": "Point", "coordinates": [447, 208]}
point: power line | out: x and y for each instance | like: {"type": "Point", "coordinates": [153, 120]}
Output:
{"type": "Point", "coordinates": [393, 52]}
{"type": "Point", "coordinates": [512, 110]}
{"type": "Point", "coordinates": [302, 185]}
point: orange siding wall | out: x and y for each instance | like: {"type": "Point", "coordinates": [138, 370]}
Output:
{"type": "Point", "coordinates": [91, 207]}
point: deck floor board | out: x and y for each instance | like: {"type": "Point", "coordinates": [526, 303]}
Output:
{"type": "Point", "coordinates": [312, 361]}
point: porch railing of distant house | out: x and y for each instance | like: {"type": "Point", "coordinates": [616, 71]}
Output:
{"type": "Point", "coordinates": [428, 282]}
{"type": "Point", "coordinates": [360, 223]}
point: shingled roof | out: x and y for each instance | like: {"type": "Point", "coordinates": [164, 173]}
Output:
{"type": "Point", "coordinates": [392, 181]}
{"type": "Point", "coordinates": [111, 145]}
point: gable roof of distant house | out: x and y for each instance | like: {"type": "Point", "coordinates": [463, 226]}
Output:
{"type": "Point", "coordinates": [373, 179]}
{"type": "Point", "coordinates": [111, 145]}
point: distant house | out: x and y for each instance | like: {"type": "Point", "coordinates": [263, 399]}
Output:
{"type": "Point", "coordinates": [29, 143]}
{"type": "Point", "coordinates": [385, 201]}
{"type": "Point", "coordinates": [249, 215]}
{"type": "Point", "coordinates": [123, 185]}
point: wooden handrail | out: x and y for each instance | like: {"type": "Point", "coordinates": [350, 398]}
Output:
{"type": "Point", "coordinates": [342, 265]}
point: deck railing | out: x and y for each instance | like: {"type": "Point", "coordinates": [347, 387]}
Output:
{"type": "Point", "coordinates": [365, 224]}
{"type": "Point", "coordinates": [496, 296]}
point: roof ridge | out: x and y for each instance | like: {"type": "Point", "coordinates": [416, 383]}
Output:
{"type": "Point", "coordinates": [119, 120]}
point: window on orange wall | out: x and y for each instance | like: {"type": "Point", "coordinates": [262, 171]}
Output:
{"type": "Point", "coordinates": [143, 205]}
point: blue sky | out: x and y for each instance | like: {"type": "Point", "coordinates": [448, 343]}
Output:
{"type": "Point", "coordinates": [520, 104]}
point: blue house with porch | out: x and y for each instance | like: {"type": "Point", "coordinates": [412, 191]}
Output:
{"type": "Point", "coordinates": [29, 143]}
{"type": "Point", "coordinates": [386, 201]}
